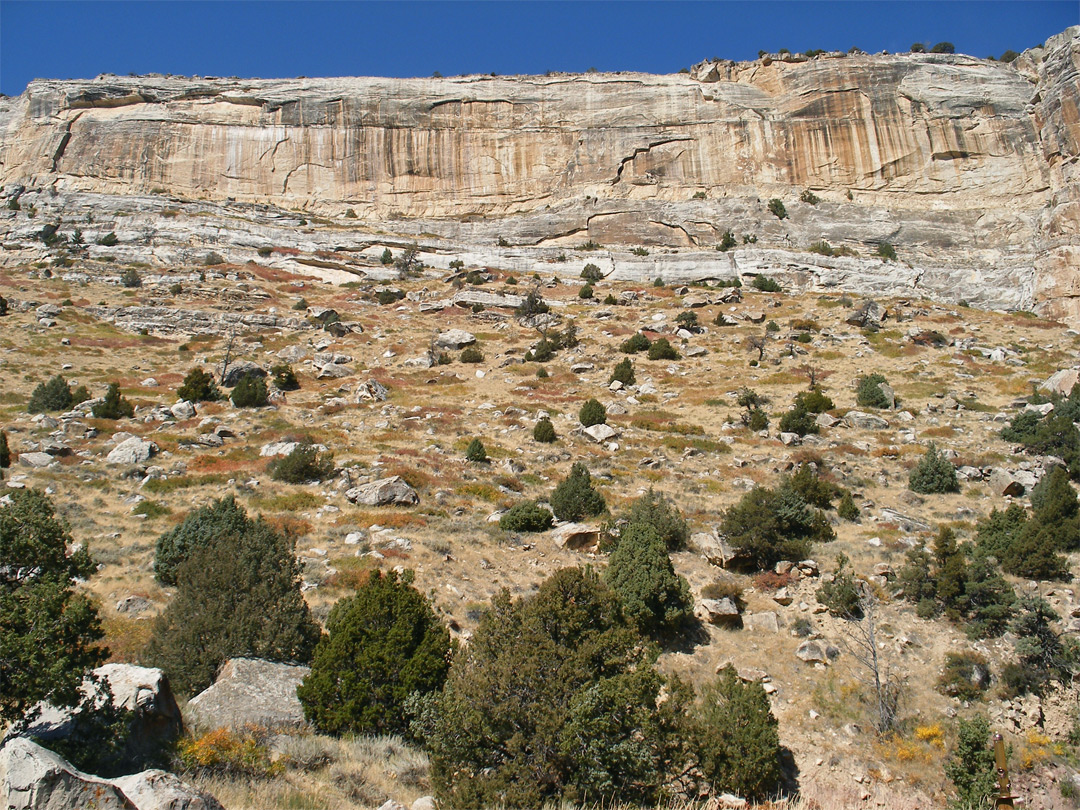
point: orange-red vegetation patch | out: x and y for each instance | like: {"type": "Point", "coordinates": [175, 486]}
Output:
{"type": "Point", "coordinates": [273, 273]}
{"type": "Point", "coordinates": [223, 464]}
{"type": "Point", "coordinates": [289, 526]}
{"type": "Point", "coordinates": [391, 519]}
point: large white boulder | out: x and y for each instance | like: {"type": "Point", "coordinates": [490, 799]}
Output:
{"type": "Point", "coordinates": [250, 691]}
{"type": "Point", "coordinates": [132, 451]}
{"type": "Point", "coordinates": [393, 491]}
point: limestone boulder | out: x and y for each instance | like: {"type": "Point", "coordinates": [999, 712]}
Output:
{"type": "Point", "coordinates": [600, 433]}
{"type": "Point", "coordinates": [182, 410]}
{"type": "Point", "coordinates": [250, 691]}
{"type": "Point", "coordinates": [721, 612]}
{"type": "Point", "coordinates": [155, 718]}
{"type": "Point", "coordinates": [372, 391]}
{"type": "Point", "coordinates": [159, 790]}
{"type": "Point", "coordinates": [864, 421]}
{"type": "Point", "coordinates": [334, 371]}
{"type": "Point", "coordinates": [455, 339]}
{"type": "Point", "coordinates": [239, 369]}
{"type": "Point", "coordinates": [576, 536]}
{"type": "Point", "coordinates": [1061, 382]}
{"type": "Point", "coordinates": [34, 778]}
{"type": "Point", "coordinates": [35, 460]}
{"type": "Point", "coordinates": [132, 451]}
{"type": "Point", "coordinates": [393, 491]}
{"type": "Point", "coordinates": [812, 652]}
{"type": "Point", "coordinates": [1005, 483]}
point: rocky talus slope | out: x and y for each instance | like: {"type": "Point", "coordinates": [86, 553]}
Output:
{"type": "Point", "coordinates": [966, 166]}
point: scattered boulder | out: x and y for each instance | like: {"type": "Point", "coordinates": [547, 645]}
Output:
{"type": "Point", "coordinates": [424, 803]}
{"type": "Point", "coordinates": [455, 339]}
{"type": "Point", "coordinates": [871, 314]}
{"type": "Point", "coordinates": [35, 459]}
{"type": "Point", "coordinates": [576, 536]}
{"type": "Point", "coordinates": [1061, 382]}
{"type": "Point", "coordinates": [143, 691]}
{"type": "Point", "coordinates": [393, 491]}
{"type": "Point", "coordinates": [826, 420]}
{"type": "Point", "coordinates": [182, 410]}
{"type": "Point", "coordinates": [372, 391]}
{"type": "Point", "coordinates": [600, 433]}
{"type": "Point", "coordinates": [249, 691]}
{"type": "Point", "coordinates": [712, 548]}
{"type": "Point", "coordinates": [239, 369]}
{"type": "Point", "coordinates": [132, 451]}
{"type": "Point", "coordinates": [1004, 483]}
{"type": "Point", "coordinates": [864, 421]}
{"type": "Point", "coordinates": [334, 371]}
{"type": "Point", "coordinates": [34, 778]}
{"type": "Point", "coordinates": [721, 612]}
{"type": "Point", "coordinates": [158, 790]}
{"type": "Point", "coordinates": [284, 448]}
{"type": "Point", "coordinates": [293, 353]}
{"type": "Point", "coordinates": [811, 652]}
{"type": "Point", "coordinates": [766, 621]}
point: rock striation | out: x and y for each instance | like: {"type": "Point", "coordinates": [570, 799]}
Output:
{"type": "Point", "coordinates": [967, 166]}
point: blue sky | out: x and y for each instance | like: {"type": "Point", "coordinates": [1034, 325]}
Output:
{"type": "Point", "coordinates": [249, 38]}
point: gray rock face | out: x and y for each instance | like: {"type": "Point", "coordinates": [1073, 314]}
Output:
{"type": "Point", "coordinates": [391, 491]}
{"type": "Point", "coordinates": [170, 321]}
{"type": "Point", "coordinates": [250, 691]}
{"type": "Point", "coordinates": [132, 451]}
{"type": "Point", "coordinates": [984, 212]}
{"type": "Point", "coordinates": [241, 368]}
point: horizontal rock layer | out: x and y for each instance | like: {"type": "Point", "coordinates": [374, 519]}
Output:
{"type": "Point", "coordinates": [968, 166]}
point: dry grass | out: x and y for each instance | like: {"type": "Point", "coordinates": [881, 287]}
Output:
{"type": "Point", "coordinates": [462, 559]}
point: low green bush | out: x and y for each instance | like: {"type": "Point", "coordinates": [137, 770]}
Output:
{"type": "Point", "coordinates": [592, 413]}
{"type": "Point", "coordinates": [302, 465]}
{"type": "Point", "coordinates": [624, 372]}
{"type": "Point", "coordinates": [250, 392]}
{"type": "Point", "coordinates": [637, 342]}
{"type": "Point", "coordinates": [476, 452]}
{"type": "Point", "coordinates": [661, 349]}
{"type": "Point", "coordinates": [544, 431]}
{"type": "Point", "coordinates": [114, 406]}
{"type": "Point", "coordinates": [527, 516]}
{"type": "Point", "coordinates": [933, 474]}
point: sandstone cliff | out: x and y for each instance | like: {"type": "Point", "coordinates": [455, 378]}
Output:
{"type": "Point", "coordinates": [967, 166]}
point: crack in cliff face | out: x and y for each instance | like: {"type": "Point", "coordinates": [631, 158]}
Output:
{"type": "Point", "coordinates": [64, 139]}
{"type": "Point", "coordinates": [642, 150]}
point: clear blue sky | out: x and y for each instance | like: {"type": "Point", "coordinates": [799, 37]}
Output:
{"type": "Point", "coordinates": [248, 38]}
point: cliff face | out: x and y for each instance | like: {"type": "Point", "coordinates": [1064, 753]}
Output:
{"type": "Point", "coordinates": [901, 130]}
{"type": "Point", "coordinates": [961, 161]}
